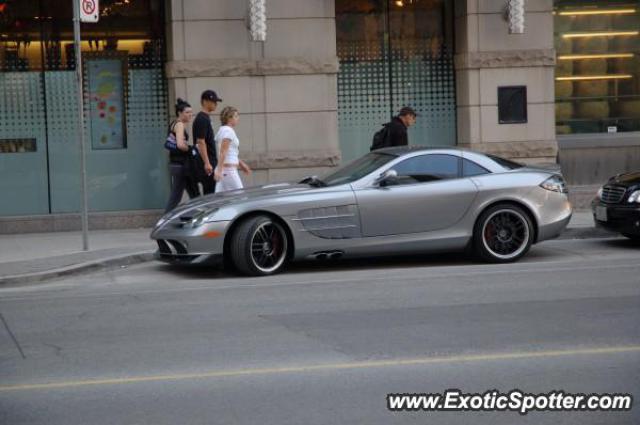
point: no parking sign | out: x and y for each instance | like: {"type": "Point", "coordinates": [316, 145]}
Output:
{"type": "Point", "coordinates": [89, 10]}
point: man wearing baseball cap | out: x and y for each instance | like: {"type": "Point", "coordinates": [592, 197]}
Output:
{"type": "Point", "coordinates": [203, 134]}
{"type": "Point", "coordinates": [399, 125]}
{"type": "Point", "coordinates": [394, 133]}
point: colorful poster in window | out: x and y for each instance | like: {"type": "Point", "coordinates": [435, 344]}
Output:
{"type": "Point", "coordinates": [106, 103]}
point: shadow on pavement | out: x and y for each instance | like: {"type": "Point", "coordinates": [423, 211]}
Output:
{"type": "Point", "coordinates": [307, 266]}
{"type": "Point", "coordinates": [620, 243]}
{"type": "Point", "coordinates": [379, 263]}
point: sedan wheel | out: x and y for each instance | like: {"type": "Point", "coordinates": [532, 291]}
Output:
{"type": "Point", "coordinates": [633, 237]}
{"type": "Point", "coordinates": [503, 233]}
{"type": "Point", "coordinates": [259, 246]}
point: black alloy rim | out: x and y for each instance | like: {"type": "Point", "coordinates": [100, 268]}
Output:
{"type": "Point", "coordinates": [268, 246]}
{"type": "Point", "coordinates": [505, 233]}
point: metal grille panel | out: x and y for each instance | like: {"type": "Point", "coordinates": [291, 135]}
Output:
{"type": "Point", "coordinates": [612, 194]}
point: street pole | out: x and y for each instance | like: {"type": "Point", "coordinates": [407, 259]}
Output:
{"type": "Point", "coordinates": [83, 167]}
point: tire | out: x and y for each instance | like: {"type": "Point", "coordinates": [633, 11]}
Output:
{"type": "Point", "coordinates": [259, 246]}
{"type": "Point", "coordinates": [503, 234]}
{"type": "Point", "coordinates": [634, 238]}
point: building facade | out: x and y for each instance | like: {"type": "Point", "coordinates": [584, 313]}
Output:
{"type": "Point", "coordinates": [311, 96]}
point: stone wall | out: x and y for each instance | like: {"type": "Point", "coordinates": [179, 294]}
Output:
{"type": "Point", "coordinates": [487, 56]}
{"type": "Point", "coordinates": [590, 159]}
{"type": "Point", "coordinates": [285, 88]}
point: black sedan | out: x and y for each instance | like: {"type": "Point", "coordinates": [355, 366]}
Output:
{"type": "Point", "coordinates": [617, 205]}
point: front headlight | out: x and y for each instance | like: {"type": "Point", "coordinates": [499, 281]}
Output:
{"type": "Point", "coordinates": [634, 197]}
{"type": "Point", "coordinates": [203, 217]}
{"type": "Point", "coordinates": [555, 184]}
{"type": "Point", "coordinates": [163, 219]}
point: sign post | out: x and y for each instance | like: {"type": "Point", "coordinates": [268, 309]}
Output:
{"type": "Point", "coordinates": [85, 11]}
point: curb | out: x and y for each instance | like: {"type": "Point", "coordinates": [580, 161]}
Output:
{"type": "Point", "coordinates": [81, 268]}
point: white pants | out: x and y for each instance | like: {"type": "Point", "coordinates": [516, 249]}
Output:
{"type": "Point", "coordinates": [230, 180]}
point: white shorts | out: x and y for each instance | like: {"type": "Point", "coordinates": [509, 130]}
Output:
{"type": "Point", "coordinates": [230, 180]}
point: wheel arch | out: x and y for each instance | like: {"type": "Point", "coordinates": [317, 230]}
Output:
{"type": "Point", "coordinates": [234, 224]}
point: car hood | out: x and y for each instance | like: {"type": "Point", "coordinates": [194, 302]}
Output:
{"type": "Point", "coordinates": [218, 200]}
{"type": "Point", "coordinates": [626, 179]}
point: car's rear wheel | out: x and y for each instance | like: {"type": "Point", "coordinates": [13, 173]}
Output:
{"type": "Point", "coordinates": [259, 246]}
{"type": "Point", "coordinates": [503, 233]}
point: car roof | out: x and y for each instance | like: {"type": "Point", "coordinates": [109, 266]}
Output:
{"type": "Point", "coordinates": [402, 150]}
{"type": "Point", "coordinates": [478, 157]}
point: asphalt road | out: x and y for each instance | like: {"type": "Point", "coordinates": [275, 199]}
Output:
{"type": "Point", "coordinates": [324, 343]}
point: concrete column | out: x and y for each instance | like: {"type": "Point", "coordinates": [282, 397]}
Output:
{"type": "Point", "coordinates": [487, 57]}
{"type": "Point", "coordinates": [285, 88]}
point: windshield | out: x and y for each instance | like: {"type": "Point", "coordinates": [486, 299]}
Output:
{"type": "Point", "coordinates": [357, 169]}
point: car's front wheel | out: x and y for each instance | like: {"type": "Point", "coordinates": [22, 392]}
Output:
{"type": "Point", "coordinates": [259, 246]}
{"type": "Point", "coordinates": [503, 233]}
{"type": "Point", "coordinates": [632, 236]}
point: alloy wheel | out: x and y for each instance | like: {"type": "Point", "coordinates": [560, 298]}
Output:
{"type": "Point", "coordinates": [268, 246]}
{"type": "Point", "coordinates": [505, 234]}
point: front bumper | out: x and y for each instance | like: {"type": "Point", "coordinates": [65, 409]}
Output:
{"type": "Point", "coordinates": [619, 217]}
{"type": "Point", "coordinates": [199, 259]}
{"type": "Point", "coordinates": [184, 245]}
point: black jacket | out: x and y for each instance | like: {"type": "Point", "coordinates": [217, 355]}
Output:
{"type": "Point", "coordinates": [397, 133]}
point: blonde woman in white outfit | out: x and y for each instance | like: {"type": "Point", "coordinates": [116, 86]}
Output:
{"type": "Point", "coordinates": [227, 147]}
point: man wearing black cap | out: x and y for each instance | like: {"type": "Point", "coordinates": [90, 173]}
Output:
{"type": "Point", "coordinates": [394, 133]}
{"type": "Point", "coordinates": [204, 137]}
{"type": "Point", "coordinates": [399, 125]}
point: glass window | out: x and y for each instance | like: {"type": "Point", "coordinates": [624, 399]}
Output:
{"type": "Point", "coordinates": [598, 66]}
{"type": "Point", "coordinates": [426, 168]}
{"type": "Point", "coordinates": [357, 169]}
{"type": "Point", "coordinates": [394, 53]}
{"type": "Point", "coordinates": [39, 35]}
{"type": "Point", "coordinates": [470, 168]}
{"type": "Point", "coordinates": [125, 107]}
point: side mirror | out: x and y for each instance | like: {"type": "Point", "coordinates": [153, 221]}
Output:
{"type": "Point", "coordinates": [388, 178]}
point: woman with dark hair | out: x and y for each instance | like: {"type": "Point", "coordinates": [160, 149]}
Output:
{"type": "Point", "coordinates": [179, 170]}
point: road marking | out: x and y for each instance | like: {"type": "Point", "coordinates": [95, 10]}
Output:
{"type": "Point", "coordinates": [323, 367]}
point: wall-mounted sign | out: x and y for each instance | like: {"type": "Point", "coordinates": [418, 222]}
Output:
{"type": "Point", "coordinates": [89, 10]}
{"type": "Point", "coordinates": [512, 105]}
{"type": "Point", "coordinates": [106, 95]}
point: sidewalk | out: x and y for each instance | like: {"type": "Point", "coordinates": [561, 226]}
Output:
{"type": "Point", "coordinates": [36, 257]}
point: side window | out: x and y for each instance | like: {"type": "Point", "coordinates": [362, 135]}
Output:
{"type": "Point", "coordinates": [470, 168]}
{"type": "Point", "coordinates": [425, 168]}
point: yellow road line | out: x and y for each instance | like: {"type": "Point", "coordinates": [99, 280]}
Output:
{"type": "Point", "coordinates": [323, 367]}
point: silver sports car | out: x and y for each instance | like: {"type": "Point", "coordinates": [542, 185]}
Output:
{"type": "Point", "coordinates": [391, 201]}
